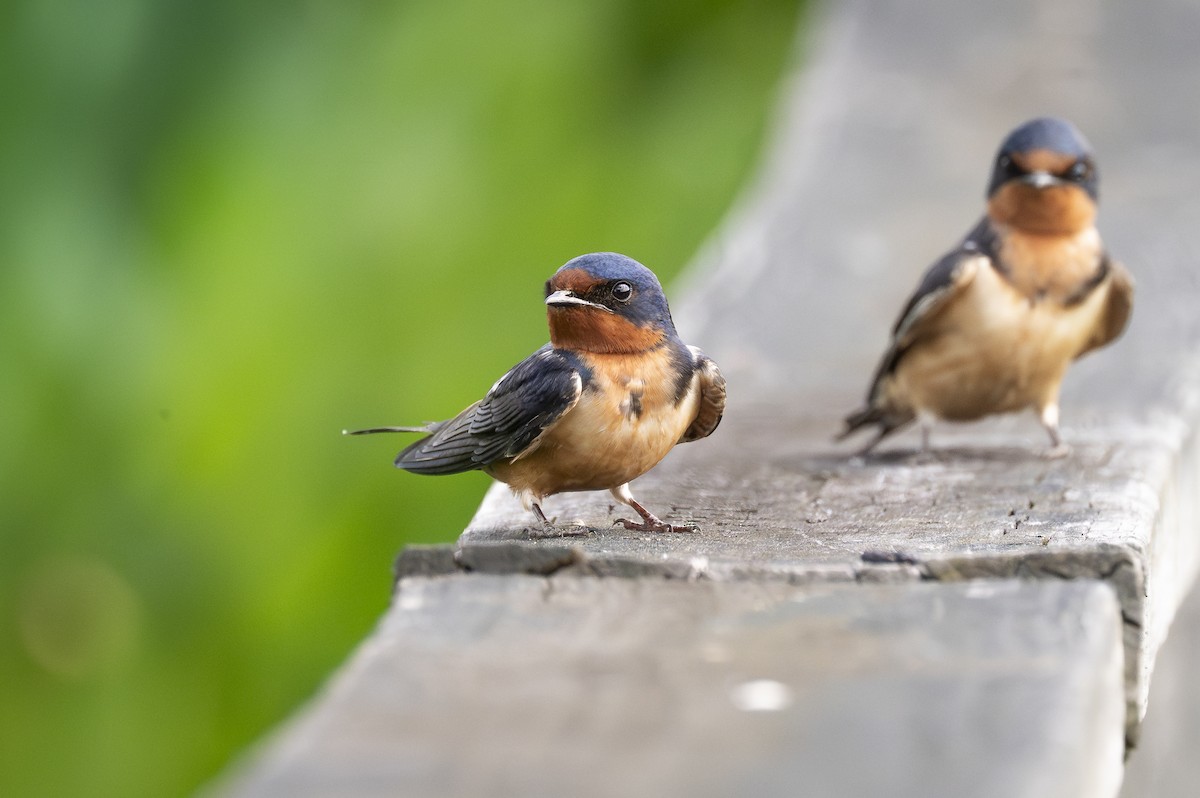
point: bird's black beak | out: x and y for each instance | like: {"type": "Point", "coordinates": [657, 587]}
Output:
{"type": "Point", "coordinates": [562, 299]}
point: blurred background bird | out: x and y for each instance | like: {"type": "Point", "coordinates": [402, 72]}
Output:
{"type": "Point", "coordinates": [994, 324]}
{"type": "Point", "coordinates": [600, 405]}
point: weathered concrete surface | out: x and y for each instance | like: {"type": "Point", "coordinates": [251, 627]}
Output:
{"type": "Point", "coordinates": [879, 164]}
{"type": "Point", "coordinates": [804, 511]}
{"type": "Point", "coordinates": [531, 686]}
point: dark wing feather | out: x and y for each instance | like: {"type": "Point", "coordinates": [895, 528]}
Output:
{"type": "Point", "coordinates": [711, 406]}
{"type": "Point", "coordinates": [506, 423]}
{"type": "Point", "coordinates": [1120, 308]}
{"type": "Point", "coordinates": [944, 281]}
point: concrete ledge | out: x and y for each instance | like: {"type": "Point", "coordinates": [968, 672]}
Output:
{"type": "Point", "coordinates": [803, 512]}
{"type": "Point", "coordinates": [590, 687]}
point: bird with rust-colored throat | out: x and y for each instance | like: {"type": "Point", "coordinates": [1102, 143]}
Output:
{"type": "Point", "coordinates": [598, 406]}
{"type": "Point", "coordinates": [995, 323]}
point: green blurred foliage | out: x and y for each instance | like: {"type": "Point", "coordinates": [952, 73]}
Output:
{"type": "Point", "coordinates": [231, 229]}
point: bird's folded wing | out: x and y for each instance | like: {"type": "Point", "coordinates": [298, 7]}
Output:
{"type": "Point", "coordinates": [1118, 310]}
{"type": "Point", "coordinates": [711, 406]}
{"type": "Point", "coordinates": [506, 423]}
{"type": "Point", "coordinates": [939, 287]}
{"type": "Point", "coordinates": [944, 281]}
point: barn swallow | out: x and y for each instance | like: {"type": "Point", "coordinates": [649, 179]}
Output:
{"type": "Point", "coordinates": [994, 324]}
{"type": "Point", "coordinates": [598, 406]}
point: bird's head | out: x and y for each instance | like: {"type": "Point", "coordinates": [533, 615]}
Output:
{"type": "Point", "coordinates": [1044, 179]}
{"type": "Point", "coordinates": [607, 303]}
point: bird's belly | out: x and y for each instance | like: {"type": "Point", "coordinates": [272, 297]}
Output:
{"type": "Point", "coordinates": [599, 445]}
{"type": "Point", "coordinates": [995, 352]}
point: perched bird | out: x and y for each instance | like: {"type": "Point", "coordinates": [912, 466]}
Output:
{"type": "Point", "coordinates": [994, 324]}
{"type": "Point", "coordinates": [600, 405]}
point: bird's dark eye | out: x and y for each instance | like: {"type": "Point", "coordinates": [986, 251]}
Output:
{"type": "Point", "coordinates": [622, 291]}
{"type": "Point", "coordinates": [1080, 171]}
{"type": "Point", "coordinates": [1005, 164]}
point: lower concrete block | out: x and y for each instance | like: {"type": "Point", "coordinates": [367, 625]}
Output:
{"type": "Point", "coordinates": [531, 686]}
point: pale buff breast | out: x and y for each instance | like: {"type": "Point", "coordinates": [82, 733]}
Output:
{"type": "Point", "coordinates": [995, 350]}
{"type": "Point", "coordinates": [603, 441]}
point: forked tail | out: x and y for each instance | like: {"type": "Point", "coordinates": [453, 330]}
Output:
{"type": "Point", "coordinates": [859, 419]}
{"type": "Point", "coordinates": [426, 428]}
{"type": "Point", "coordinates": [887, 423]}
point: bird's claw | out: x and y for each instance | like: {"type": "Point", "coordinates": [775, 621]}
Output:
{"type": "Point", "coordinates": [555, 531]}
{"type": "Point", "coordinates": [656, 526]}
{"type": "Point", "coordinates": [1057, 451]}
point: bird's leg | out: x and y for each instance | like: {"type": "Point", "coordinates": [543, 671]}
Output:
{"type": "Point", "coordinates": [531, 501]}
{"type": "Point", "coordinates": [1049, 418]}
{"type": "Point", "coordinates": [925, 454]}
{"type": "Point", "coordinates": [871, 444]}
{"type": "Point", "coordinates": [650, 522]}
{"type": "Point", "coordinates": [549, 528]}
{"type": "Point", "coordinates": [925, 422]}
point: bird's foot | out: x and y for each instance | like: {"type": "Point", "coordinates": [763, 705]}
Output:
{"type": "Point", "coordinates": [1057, 452]}
{"type": "Point", "coordinates": [650, 522]}
{"type": "Point", "coordinates": [550, 528]}
{"type": "Point", "coordinates": [553, 530]}
{"type": "Point", "coordinates": [653, 524]}
{"type": "Point", "coordinates": [923, 457]}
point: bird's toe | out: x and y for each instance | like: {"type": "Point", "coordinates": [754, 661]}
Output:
{"type": "Point", "coordinates": [1057, 451]}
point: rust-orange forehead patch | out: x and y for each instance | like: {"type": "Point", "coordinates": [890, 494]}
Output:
{"type": "Point", "coordinates": [576, 280]}
{"type": "Point", "coordinates": [1043, 161]}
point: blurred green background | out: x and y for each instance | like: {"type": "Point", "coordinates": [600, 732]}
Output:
{"type": "Point", "coordinates": [231, 229]}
